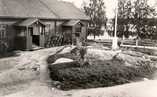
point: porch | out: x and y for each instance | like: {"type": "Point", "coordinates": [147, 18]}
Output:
{"type": "Point", "coordinates": [75, 30]}
{"type": "Point", "coordinates": [71, 32]}
{"type": "Point", "coordinates": [30, 34]}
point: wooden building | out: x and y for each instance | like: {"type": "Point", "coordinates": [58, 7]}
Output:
{"type": "Point", "coordinates": [25, 24]}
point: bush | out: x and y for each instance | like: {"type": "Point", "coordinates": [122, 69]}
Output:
{"type": "Point", "coordinates": [98, 75]}
{"type": "Point", "coordinates": [82, 52]}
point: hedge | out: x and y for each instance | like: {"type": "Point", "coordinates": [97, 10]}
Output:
{"type": "Point", "coordinates": [98, 75]}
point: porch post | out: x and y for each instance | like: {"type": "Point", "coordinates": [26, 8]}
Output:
{"type": "Point", "coordinates": [73, 35]}
{"type": "Point", "coordinates": [86, 31]}
{"type": "Point", "coordinates": [28, 39]}
{"type": "Point", "coordinates": [55, 26]}
{"type": "Point", "coordinates": [42, 37]}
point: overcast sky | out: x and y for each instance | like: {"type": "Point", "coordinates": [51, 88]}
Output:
{"type": "Point", "coordinates": [110, 4]}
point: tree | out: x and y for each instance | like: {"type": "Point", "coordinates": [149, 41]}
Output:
{"type": "Point", "coordinates": [96, 11]}
{"type": "Point", "coordinates": [142, 11]}
{"type": "Point", "coordinates": [136, 13]}
{"type": "Point", "coordinates": [124, 15]}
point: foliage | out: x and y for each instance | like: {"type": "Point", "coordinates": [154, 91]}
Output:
{"type": "Point", "coordinates": [125, 12]}
{"type": "Point", "coordinates": [96, 11]}
{"type": "Point", "coordinates": [95, 72]}
{"type": "Point", "coordinates": [142, 11]}
{"type": "Point", "coordinates": [100, 74]}
{"type": "Point", "coordinates": [82, 52]}
{"type": "Point", "coordinates": [136, 13]}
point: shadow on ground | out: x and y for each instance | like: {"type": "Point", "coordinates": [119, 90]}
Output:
{"type": "Point", "coordinates": [9, 54]}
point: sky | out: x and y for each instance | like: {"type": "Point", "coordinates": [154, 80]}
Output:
{"type": "Point", "coordinates": [110, 5]}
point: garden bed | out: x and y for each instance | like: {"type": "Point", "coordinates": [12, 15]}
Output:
{"type": "Point", "coordinates": [98, 73]}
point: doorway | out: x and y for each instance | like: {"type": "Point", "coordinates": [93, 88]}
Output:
{"type": "Point", "coordinates": [35, 40]}
{"type": "Point", "coordinates": [34, 33]}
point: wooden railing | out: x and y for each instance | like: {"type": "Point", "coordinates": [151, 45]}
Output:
{"type": "Point", "coordinates": [52, 41]}
{"type": "Point", "coordinates": [144, 42]}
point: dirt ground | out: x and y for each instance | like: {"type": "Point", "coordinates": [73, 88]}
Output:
{"type": "Point", "coordinates": [27, 76]}
{"type": "Point", "coordinates": [18, 73]}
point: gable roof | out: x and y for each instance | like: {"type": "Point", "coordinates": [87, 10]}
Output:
{"type": "Point", "coordinates": [46, 9]}
{"type": "Point", "coordinates": [24, 9]}
{"type": "Point", "coordinates": [65, 10]}
{"type": "Point", "coordinates": [29, 22]}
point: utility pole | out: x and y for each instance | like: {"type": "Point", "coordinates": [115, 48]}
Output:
{"type": "Point", "coordinates": [115, 39]}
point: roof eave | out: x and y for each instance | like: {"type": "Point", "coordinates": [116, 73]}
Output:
{"type": "Point", "coordinates": [56, 19]}
{"type": "Point", "coordinates": [19, 17]}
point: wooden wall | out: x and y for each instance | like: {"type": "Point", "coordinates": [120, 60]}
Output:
{"type": "Point", "coordinates": [7, 36]}
{"type": "Point", "coordinates": [8, 40]}
{"type": "Point", "coordinates": [52, 34]}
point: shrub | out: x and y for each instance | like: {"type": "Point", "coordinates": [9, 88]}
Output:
{"type": "Point", "coordinates": [98, 75]}
{"type": "Point", "coordinates": [82, 52]}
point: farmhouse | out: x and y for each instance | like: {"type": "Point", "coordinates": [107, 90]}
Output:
{"type": "Point", "coordinates": [25, 24]}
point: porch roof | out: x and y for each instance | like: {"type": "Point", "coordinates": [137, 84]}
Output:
{"type": "Point", "coordinates": [29, 22]}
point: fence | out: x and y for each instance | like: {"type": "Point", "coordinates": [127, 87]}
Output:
{"type": "Point", "coordinates": [144, 42]}
{"type": "Point", "coordinates": [132, 43]}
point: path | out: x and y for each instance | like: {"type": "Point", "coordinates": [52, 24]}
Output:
{"type": "Point", "coordinates": [28, 60]}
